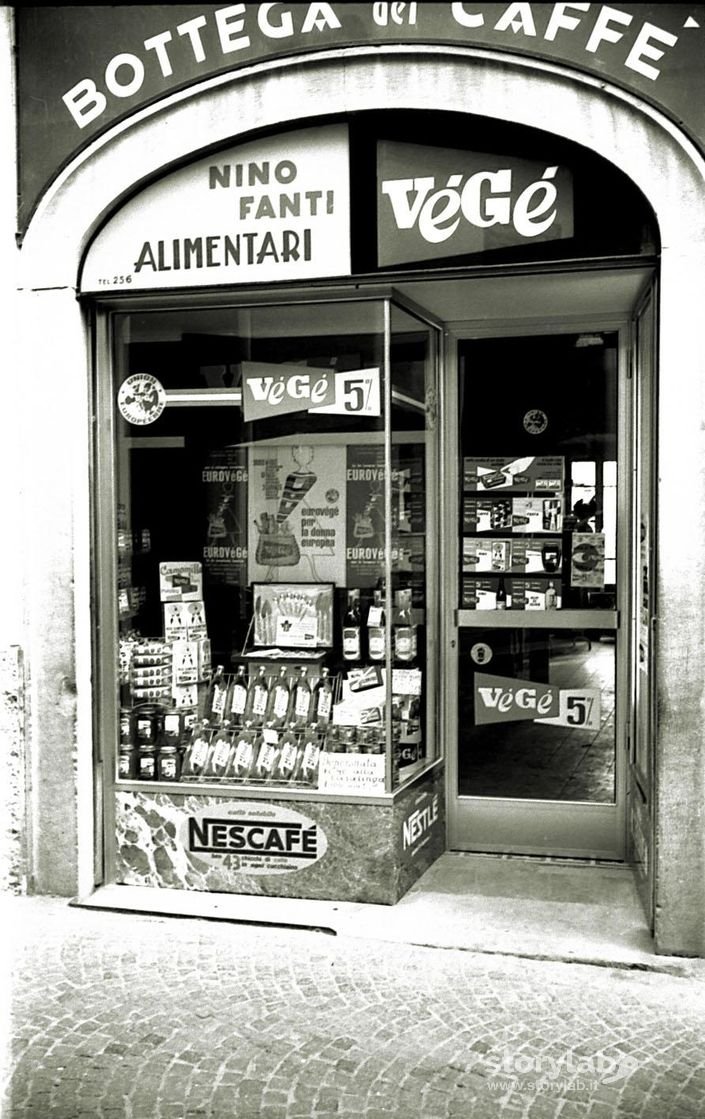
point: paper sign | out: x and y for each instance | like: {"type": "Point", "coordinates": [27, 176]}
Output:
{"type": "Point", "coordinates": [587, 560]}
{"type": "Point", "coordinates": [351, 773]}
{"type": "Point", "coordinates": [356, 394]}
{"type": "Point", "coordinates": [579, 707]}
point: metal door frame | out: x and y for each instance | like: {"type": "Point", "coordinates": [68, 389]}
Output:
{"type": "Point", "coordinates": [604, 826]}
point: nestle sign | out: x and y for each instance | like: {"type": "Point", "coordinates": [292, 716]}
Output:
{"type": "Point", "coordinates": [435, 202]}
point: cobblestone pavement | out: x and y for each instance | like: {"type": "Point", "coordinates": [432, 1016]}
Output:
{"type": "Point", "coordinates": [141, 1017]}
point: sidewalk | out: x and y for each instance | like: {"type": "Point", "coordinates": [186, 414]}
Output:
{"type": "Point", "coordinates": [538, 909]}
{"type": "Point", "coordinates": [136, 1016]}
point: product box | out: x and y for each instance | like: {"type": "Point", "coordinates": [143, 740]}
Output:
{"type": "Point", "coordinates": [185, 696]}
{"type": "Point", "coordinates": [480, 593]}
{"type": "Point", "coordinates": [175, 628]}
{"type": "Point", "coordinates": [521, 557]}
{"type": "Point", "coordinates": [180, 582]}
{"type": "Point", "coordinates": [195, 614]}
{"type": "Point", "coordinates": [541, 472]}
{"type": "Point", "coordinates": [536, 594]}
{"type": "Point", "coordinates": [185, 662]}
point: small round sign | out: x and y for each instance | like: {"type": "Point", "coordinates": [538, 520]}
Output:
{"type": "Point", "coordinates": [535, 421]}
{"type": "Point", "coordinates": [141, 399]}
{"type": "Point", "coordinates": [481, 653]}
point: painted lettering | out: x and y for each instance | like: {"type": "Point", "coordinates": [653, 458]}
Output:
{"type": "Point", "coordinates": [484, 200]}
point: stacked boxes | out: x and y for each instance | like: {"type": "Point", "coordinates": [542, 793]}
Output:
{"type": "Point", "coordinates": [185, 631]}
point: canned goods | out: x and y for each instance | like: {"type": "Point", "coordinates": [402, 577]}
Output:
{"type": "Point", "coordinates": [127, 762]}
{"type": "Point", "coordinates": [168, 764]}
{"type": "Point", "coordinates": [147, 762]}
{"type": "Point", "coordinates": [125, 727]}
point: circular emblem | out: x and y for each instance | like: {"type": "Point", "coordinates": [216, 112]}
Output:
{"type": "Point", "coordinates": [481, 653]}
{"type": "Point", "coordinates": [141, 399]}
{"type": "Point", "coordinates": [586, 557]}
{"type": "Point", "coordinates": [535, 421]}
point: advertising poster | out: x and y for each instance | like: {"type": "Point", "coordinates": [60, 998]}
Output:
{"type": "Point", "coordinates": [224, 479]}
{"type": "Point", "coordinates": [587, 560]}
{"type": "Point", "coordinates": [365, 516]}
{"type": "Point", "coordinates": [253, 837]}
{"type": "Point", "coordinates": [542, 472]}
{"type": "Point", "coordinates": [296, 514]}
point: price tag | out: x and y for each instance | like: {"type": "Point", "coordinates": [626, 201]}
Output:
{"type": "Point", "coordinates": [356, 394]}
{"type": "Point", "coordinates": [578, 707]}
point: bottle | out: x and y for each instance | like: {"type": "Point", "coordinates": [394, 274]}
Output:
{"type": "Point", "coordinates": [323, 698]}
{"type": "Point", "coordinates": [267, 755]}
{"type": "Point", "coordinates": [220, 754]}
{"type": "Point", "coordinates": [501, 603]}
{"type": "Point", "coordinates": [352, 641]}
{"type": "Point", "coordinates": [196, 756]}
{"type": "Point", "coordinates": [218, 695]}
{"type": "Point", "coordinates": [243, 755]}
{"type": "Point", "coordinates": [308, 769]}
{"type": "Point", "coordinates": [303, 697]}
{"type": "Point", "coordinates": [289, 757]}
{"type": "Point", "coordinates": [404, 630]}
{"type": "Point", "coordinates": [258, 698]}
{"type": "Point", "coordinates": [279, 700]}
{"type": "Point", "coordinates": [376, 632]}
{"type": "Point", "coordinates": [551, 598]}
{"type": "Point", "coordinates": [238, 697]}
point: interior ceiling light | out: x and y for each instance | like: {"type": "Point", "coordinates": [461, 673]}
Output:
{"type": "Point", "coordinates": [589, 340]}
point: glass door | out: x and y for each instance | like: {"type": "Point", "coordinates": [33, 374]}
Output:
{"type": "Point", "coordinates": [542, 554]}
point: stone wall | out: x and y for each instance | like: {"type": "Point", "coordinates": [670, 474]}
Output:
{"type": "Point", "coordinates": [13, 860]}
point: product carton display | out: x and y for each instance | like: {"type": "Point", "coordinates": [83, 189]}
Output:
{"type": "Point", "coordinates": [180, 582]}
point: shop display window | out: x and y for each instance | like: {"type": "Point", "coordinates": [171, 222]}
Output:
{"type": "Point", "coordinates": [273, 472]}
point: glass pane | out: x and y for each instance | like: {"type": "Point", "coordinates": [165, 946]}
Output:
{"type": "Point", "coordinates": [537, 714]}
{"type": "Point", "coordinates": [251, 542]}
{"type": "Point", "coordinates": [538, 514]}
{"type": "Point", "coordinates": [413, 605]}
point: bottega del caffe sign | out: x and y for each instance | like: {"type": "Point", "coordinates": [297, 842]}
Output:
{"type": "Point", "coordinates": [440, 202]}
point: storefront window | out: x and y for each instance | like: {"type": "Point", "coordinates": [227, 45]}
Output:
{"type": "Point", "coordinates": [274, 470]}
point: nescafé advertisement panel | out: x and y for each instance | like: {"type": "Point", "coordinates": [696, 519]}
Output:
{"type": "Point", "coordinates": [253, 837]}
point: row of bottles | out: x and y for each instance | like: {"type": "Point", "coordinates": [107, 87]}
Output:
{"type": "Point", "coordinates": [369, 642]}
{"type": "Point", "coordinates": [263, 700]}
{"type": "Point", "coordinates": [254, 755]}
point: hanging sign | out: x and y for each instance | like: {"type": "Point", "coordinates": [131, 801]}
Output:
{"type": "Point", "coordinates": [504, 699]}
{"type": "Point", "coordinates": [435, 202]}
{"type": "Point", "coordinates": [270, 390]}
{"type": "Point", "coordinates": [276, 209]}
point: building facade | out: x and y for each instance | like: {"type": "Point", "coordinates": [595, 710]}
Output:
{"type": "Point", "coordinates": [360, 444]}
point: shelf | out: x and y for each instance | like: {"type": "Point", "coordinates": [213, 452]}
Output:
{"type": "Point", "coordinates": [537, 619]}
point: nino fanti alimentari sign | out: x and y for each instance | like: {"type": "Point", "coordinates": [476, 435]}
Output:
{"type": "Point", "coordinates": [276, 209]}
